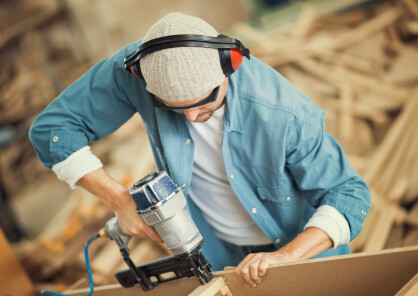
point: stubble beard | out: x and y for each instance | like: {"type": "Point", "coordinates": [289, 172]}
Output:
{"type": "Point", "coordinates": [205, 116]}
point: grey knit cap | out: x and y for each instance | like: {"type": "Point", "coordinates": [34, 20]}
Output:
{"type": "Point", "coordinates": [182, 73]}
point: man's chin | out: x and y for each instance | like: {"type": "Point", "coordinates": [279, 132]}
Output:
{"type": "Point", "coordinates": [204, 117]}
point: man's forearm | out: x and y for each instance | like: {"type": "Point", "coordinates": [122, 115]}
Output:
{"type": "Point", "coordinates": [307, 244]}
{"type": "Point", "coordinates": [113, 194]}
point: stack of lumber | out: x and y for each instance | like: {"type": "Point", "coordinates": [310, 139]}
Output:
{"type": "Point", "coordinates": [37, 49]}
{"type": "Point", "coordinates": [361, 67]}
{"type": "Point", "coordinates": [40, 55]}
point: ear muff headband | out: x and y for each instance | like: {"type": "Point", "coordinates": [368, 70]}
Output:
{"type": "Point", "coordinates": [231, 51]}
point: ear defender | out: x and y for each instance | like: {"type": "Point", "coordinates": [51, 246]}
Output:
{"type": "Point", "coordinates": [231, 51]}
{"type": "Point", "coordinates": [135, 70]}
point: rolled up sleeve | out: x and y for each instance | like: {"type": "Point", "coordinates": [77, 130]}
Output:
{"type": "Point", "coordinates": [76, 166]}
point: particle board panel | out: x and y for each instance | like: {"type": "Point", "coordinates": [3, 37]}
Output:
{"type": "Point", "coordinates": [374, 273]}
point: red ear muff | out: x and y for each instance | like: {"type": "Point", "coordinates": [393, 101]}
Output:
{"type": "Point", "coordinates": [131, 68]}
{"type": "Point", "coordinates": [134, 69]}
{"type": "Point", "coordinates": [236, 58]}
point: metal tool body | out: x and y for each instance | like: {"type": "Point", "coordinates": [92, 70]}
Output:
{"type": "Point", "coordinates": [162, 205]}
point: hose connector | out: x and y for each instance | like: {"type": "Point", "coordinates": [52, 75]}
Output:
{"type": "Point", "coordinates": [102, 233]}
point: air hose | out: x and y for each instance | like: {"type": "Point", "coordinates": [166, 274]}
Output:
{"type": "Point", "coordinates": [86, 257]}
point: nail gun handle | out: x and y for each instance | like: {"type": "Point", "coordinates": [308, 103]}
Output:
{"type": "Point", "coordinates": [185, 265]}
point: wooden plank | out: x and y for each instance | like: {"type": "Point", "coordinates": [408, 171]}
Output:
{"type": "Point", "coordinates": [345, 59]}
{"type": "Point", "coordinates": [395, 237]}
{"type": "Point", "coordinates": [404, 68]}
{"type": "Point", "coordinates": [381, 230]}
{"type": "Point", "coordinates": [305, 21]}
{"type": "Point", "coordinates": [369, 28]}
{"type": "Point", "coordinates": [412, 6]}
{"type": "Point", "coordinates": [410, 289]}
{"type": "Point", "coordinates": [412, 217]}
{"type": "Point", "coordinates": [373, 50]}
{"type": "Point", "coordinates": [390, 141]}
{"type": "Point", "coordinates": [411, 239]}
{"type": "Point", "coordinates": [29, 23]}
{"type": "Point", "coordinates": [308, 83]}
{"type": "Point", "coordinates": [320, 45]}
{"type": "Point", "coordinates": [396, 43]}
{"type": "Point", "coordinates": [378, 103]}
{"type": "Point", "coordinates": [341, 76]}
{"type": "Point", "coordinates": [377, 273]}
{"type": "Point", "coordinates": [217, 286]}
{"type": "Point", "coordinates": [359, 109]}
{"type": "Point", "coordinates": [391, 180]}
{"type": "Point", "coordinates": [404, 170]}
{"type": "Point", "coordinates": [13, 278]}
{"type": "Point", "coordinates": [412, 191]}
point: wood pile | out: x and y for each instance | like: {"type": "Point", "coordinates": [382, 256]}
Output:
{"type": "Point", "coordinates": [38, 55]}
{"type": "Point", "coordinates": [361, 67]}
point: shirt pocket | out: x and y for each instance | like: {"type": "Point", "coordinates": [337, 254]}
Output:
{"type": "Point", "coordinates": [276, 195]}
{"type": "Point", "coordinates": [284, 204]}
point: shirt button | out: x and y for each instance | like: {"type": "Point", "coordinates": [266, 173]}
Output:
{"type": "Point", "coordinates": [288, 198]}
{"type": "Point", "coordinates": [277, 241]}
{"type": "Point", "coordinates": [55, 139]}
{"type": "Point", "coordinates": [364, 212]}
{"type": "Point", "coordinates": [232, 176]}
{"type": "Point", "coordinates": [253, 210]}
{"type": "Point", "coordinates": [188, 141]}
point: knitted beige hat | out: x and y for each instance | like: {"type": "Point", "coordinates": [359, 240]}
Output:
{"type": "Point", "coordinates": [182, 73]}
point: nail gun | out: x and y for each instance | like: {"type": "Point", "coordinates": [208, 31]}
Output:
{"type": "Point", "coordinates": [162, 204]}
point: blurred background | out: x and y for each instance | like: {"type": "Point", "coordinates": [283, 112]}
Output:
{"type": "Point", "coordinates": [356, 59]}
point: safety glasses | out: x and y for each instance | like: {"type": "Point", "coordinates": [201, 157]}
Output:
{"type": "Point", "coordinates": [211, 98]}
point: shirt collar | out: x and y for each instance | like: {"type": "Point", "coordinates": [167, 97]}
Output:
{"type": "Point", "coordinates": [233, 119]}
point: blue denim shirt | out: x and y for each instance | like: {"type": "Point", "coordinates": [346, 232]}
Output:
{"type": "Point", "coordinates": [273, 143]}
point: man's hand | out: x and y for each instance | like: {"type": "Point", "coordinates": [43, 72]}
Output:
{"type": "Point", "coordinates": [130, 223]}
{"type": "Point", "coordinates": [307, 244]}
{"type": "Point", "coordinates": [255, 265]}
{"type": "Point", "coordinates": [117, 198]}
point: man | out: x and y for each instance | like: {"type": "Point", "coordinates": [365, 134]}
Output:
{"type": "Point", "coordinates": [265, 182]}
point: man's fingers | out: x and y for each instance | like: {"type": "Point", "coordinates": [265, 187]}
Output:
{"type": "Point", "coordinates": [229, 267]}
{"type": "Point", "coordinates": [252, 268]}
{"type": "Point", "coordinates": [262, 268]}
{"type": "Point", "coordinates": [254, 271]}
{"type": "Point", "coordinates": [152, 234]}
{"type": "Point", "coordinates": [133, 231]}
{"type": "Point", "coordinates": [245, 276]}
{"type": "Point", "coordinates": [241, 267]}
{"type": "Point", "coordinates": [141, 230]}
{"type": "Point", "coordinates": [246, 269]}
{"type": "Point", "coordinates": [247, 259]}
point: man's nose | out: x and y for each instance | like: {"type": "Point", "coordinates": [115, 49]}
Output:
{"type": "Point", "coordinates": [191, 114]}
